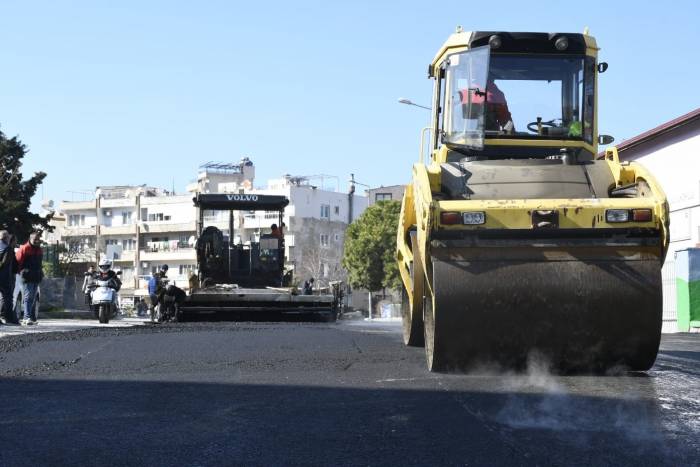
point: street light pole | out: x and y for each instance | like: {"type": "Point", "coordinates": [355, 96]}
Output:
{"type": "Point", "coordinates": [403, 100]}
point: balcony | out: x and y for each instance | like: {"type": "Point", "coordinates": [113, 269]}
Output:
{"type": "Point", "coordinates": [117, 202]}
{"type": "Point", "coordinates": [164, 252]}
{"type": "Point", "coordinates": [118, 230]}
{"type": "Point", "coordinates": [185, 200]}
{"type": "Point", "coordinates": [126, 256]}
{"type": "Point", "coordinates": [84, 255]}
{"type": "Point", "coordinates": [167, 226]}
{"type": "Point", "coordinates": [77, 205]}
{"type": "Point", "coordinates": [78, 231]}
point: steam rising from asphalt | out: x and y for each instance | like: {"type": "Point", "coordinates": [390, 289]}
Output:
{"type": "Point", "coordinates": [539, 400]}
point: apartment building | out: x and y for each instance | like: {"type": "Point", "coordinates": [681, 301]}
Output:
{"type": "Point", "coordinates": [316, 220]}
{"type": "Point", "coordinates": [137, 227]}
{"type": "Point", "coordinates": [141, 228]}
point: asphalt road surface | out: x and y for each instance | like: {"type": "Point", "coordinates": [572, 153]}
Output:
{"type": "Point", "coordinates": [221, 393]}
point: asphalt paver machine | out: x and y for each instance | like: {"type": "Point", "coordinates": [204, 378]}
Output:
{"type": "Point", "coordinates": [516, 237]}
{"type": "Point", "coordinates": [246, 276]}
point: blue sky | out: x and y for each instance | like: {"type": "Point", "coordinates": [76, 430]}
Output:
{"type": "Point", "coordinates": [143, 92]}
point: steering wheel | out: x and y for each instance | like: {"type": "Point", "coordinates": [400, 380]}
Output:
{"type": "Point", "coordinates": [550, 124]}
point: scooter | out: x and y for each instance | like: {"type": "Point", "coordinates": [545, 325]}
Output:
{"type": "Point", "coordinates": [103, 299]}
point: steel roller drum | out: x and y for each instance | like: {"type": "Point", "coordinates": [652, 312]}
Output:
{"type": "Point", "coordinates": [590, 312]}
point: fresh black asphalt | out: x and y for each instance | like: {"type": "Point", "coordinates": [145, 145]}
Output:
{"type": "Point", "coordinates": [350, 393]}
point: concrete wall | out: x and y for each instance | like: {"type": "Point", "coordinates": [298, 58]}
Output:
{"type": "Point", "coordinates": [307, 203]}
{"type": "Point", "coordinates": [65, 292]}
{"type": "Point", "coordinates": [179, 208]}
{"type": "Point", "coordinates": [674, 159]}
{"type": "Point", "coordinates": [395, 191]}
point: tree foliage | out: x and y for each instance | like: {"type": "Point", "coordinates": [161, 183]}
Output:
{"type": "Point", "coordinates": [15, 193]}
{"type": "Point", "coordinates": [370, 246]}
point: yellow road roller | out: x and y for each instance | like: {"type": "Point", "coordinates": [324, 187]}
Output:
{"type": "Point", "coordinates": [516, 237]}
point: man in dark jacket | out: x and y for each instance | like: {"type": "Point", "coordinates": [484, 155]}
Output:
{"type": "Point", "coordinates": [29, 258]}
{"type": "Point", "coordinates": [308, 288]}
{"type": "Point", "coordinates": [8, 270]}
{"type": "Point", "coordinates": [155, 288]}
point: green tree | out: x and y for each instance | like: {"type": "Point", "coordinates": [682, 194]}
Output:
{"type": "Point", "coordinates": [15, 193]}
{"type": "Point", "coordinates": [370, 246]}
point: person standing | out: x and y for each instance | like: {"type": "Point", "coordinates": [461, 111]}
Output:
{"type": "Point", "coordinates": [276, 231]}
{"type": "Point", "coordinates": [141, 308]}
{"type": "Point", "coordinates": [308, 288]}
{"type": "Point", "coordinates": [29, 258]}
{"type": "Point", "coordinates": [87, 281]}
{"type": "Point", "coordinates": [8, 270]}
{"type": "Point", "coordinates": [155, 288]}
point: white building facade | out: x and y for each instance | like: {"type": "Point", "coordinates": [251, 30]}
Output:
{"type": "Point", "coordinates": [672, 153]}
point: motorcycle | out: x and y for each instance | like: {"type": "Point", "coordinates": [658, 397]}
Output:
{"type": "Point", "coordinates": [103, 298]}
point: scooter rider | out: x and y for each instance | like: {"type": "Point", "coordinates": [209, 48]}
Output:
{"type": "Point", "coordinates": [106, 274]}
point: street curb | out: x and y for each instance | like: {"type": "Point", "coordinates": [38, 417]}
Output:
{"type": "Point", "coordinates": [66, 314]}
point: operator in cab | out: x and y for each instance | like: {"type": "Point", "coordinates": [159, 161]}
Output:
{"type": "Point", "coordinates": [497, 115]}
{"type": "Point", "coordinates": [276, 231]}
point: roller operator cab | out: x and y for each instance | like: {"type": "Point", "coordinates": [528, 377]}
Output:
{"type": "Point", "coordinates": [516, 237]}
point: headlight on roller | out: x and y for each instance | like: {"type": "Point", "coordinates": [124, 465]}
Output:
{"type": "Point", "coordinates": [617, 215]}
{"type": "Point", "coordinates": [474, 218]}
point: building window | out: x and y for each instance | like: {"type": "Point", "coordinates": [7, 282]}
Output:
{"type": "Point", "coordinates": [324, 240]}
{"type": "Point", "coordinates": [159, 244]}
{"type": "Point", "coordinates": [128, 244]}
{"type": "Point", "coordinates": [336, 210]}
{"type": "Point", "coordinates": [186, 270]}
{"type": "Point", "coordinates": [79, 246]}
{"type": "Point", "coordinates": [325, 211]}
{"type": "Point", "coordinates": [75, 220]}
{"type": "Point", "coordinates": [127, 274]}
{"type": "Point", "coordinates": [126, 217]}
{"type": "Point", "coordinates": [111, 241]}
{"type": "Point", "coordinates": [336, 237]}
{"type": "Point", "coordinates": [325, 269]}
{"type": "Point", "coordinates": [183, 241]}
{"type": "Point", "coordinates": [382, 197]}
{"type": "Point", "coordinates": [158, 217]}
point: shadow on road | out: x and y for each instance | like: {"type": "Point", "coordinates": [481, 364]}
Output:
{"type": "Point", "coordinates": [67, 422]}
{"type": "Point", "coordinates": [683, 354]}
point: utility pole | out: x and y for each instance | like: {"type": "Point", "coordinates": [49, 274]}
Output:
{"type": "Point", "coordinates": [354, 182]}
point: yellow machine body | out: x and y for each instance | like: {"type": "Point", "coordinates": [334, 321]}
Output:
{"type": "Point", "coordinates": [517, 242]}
